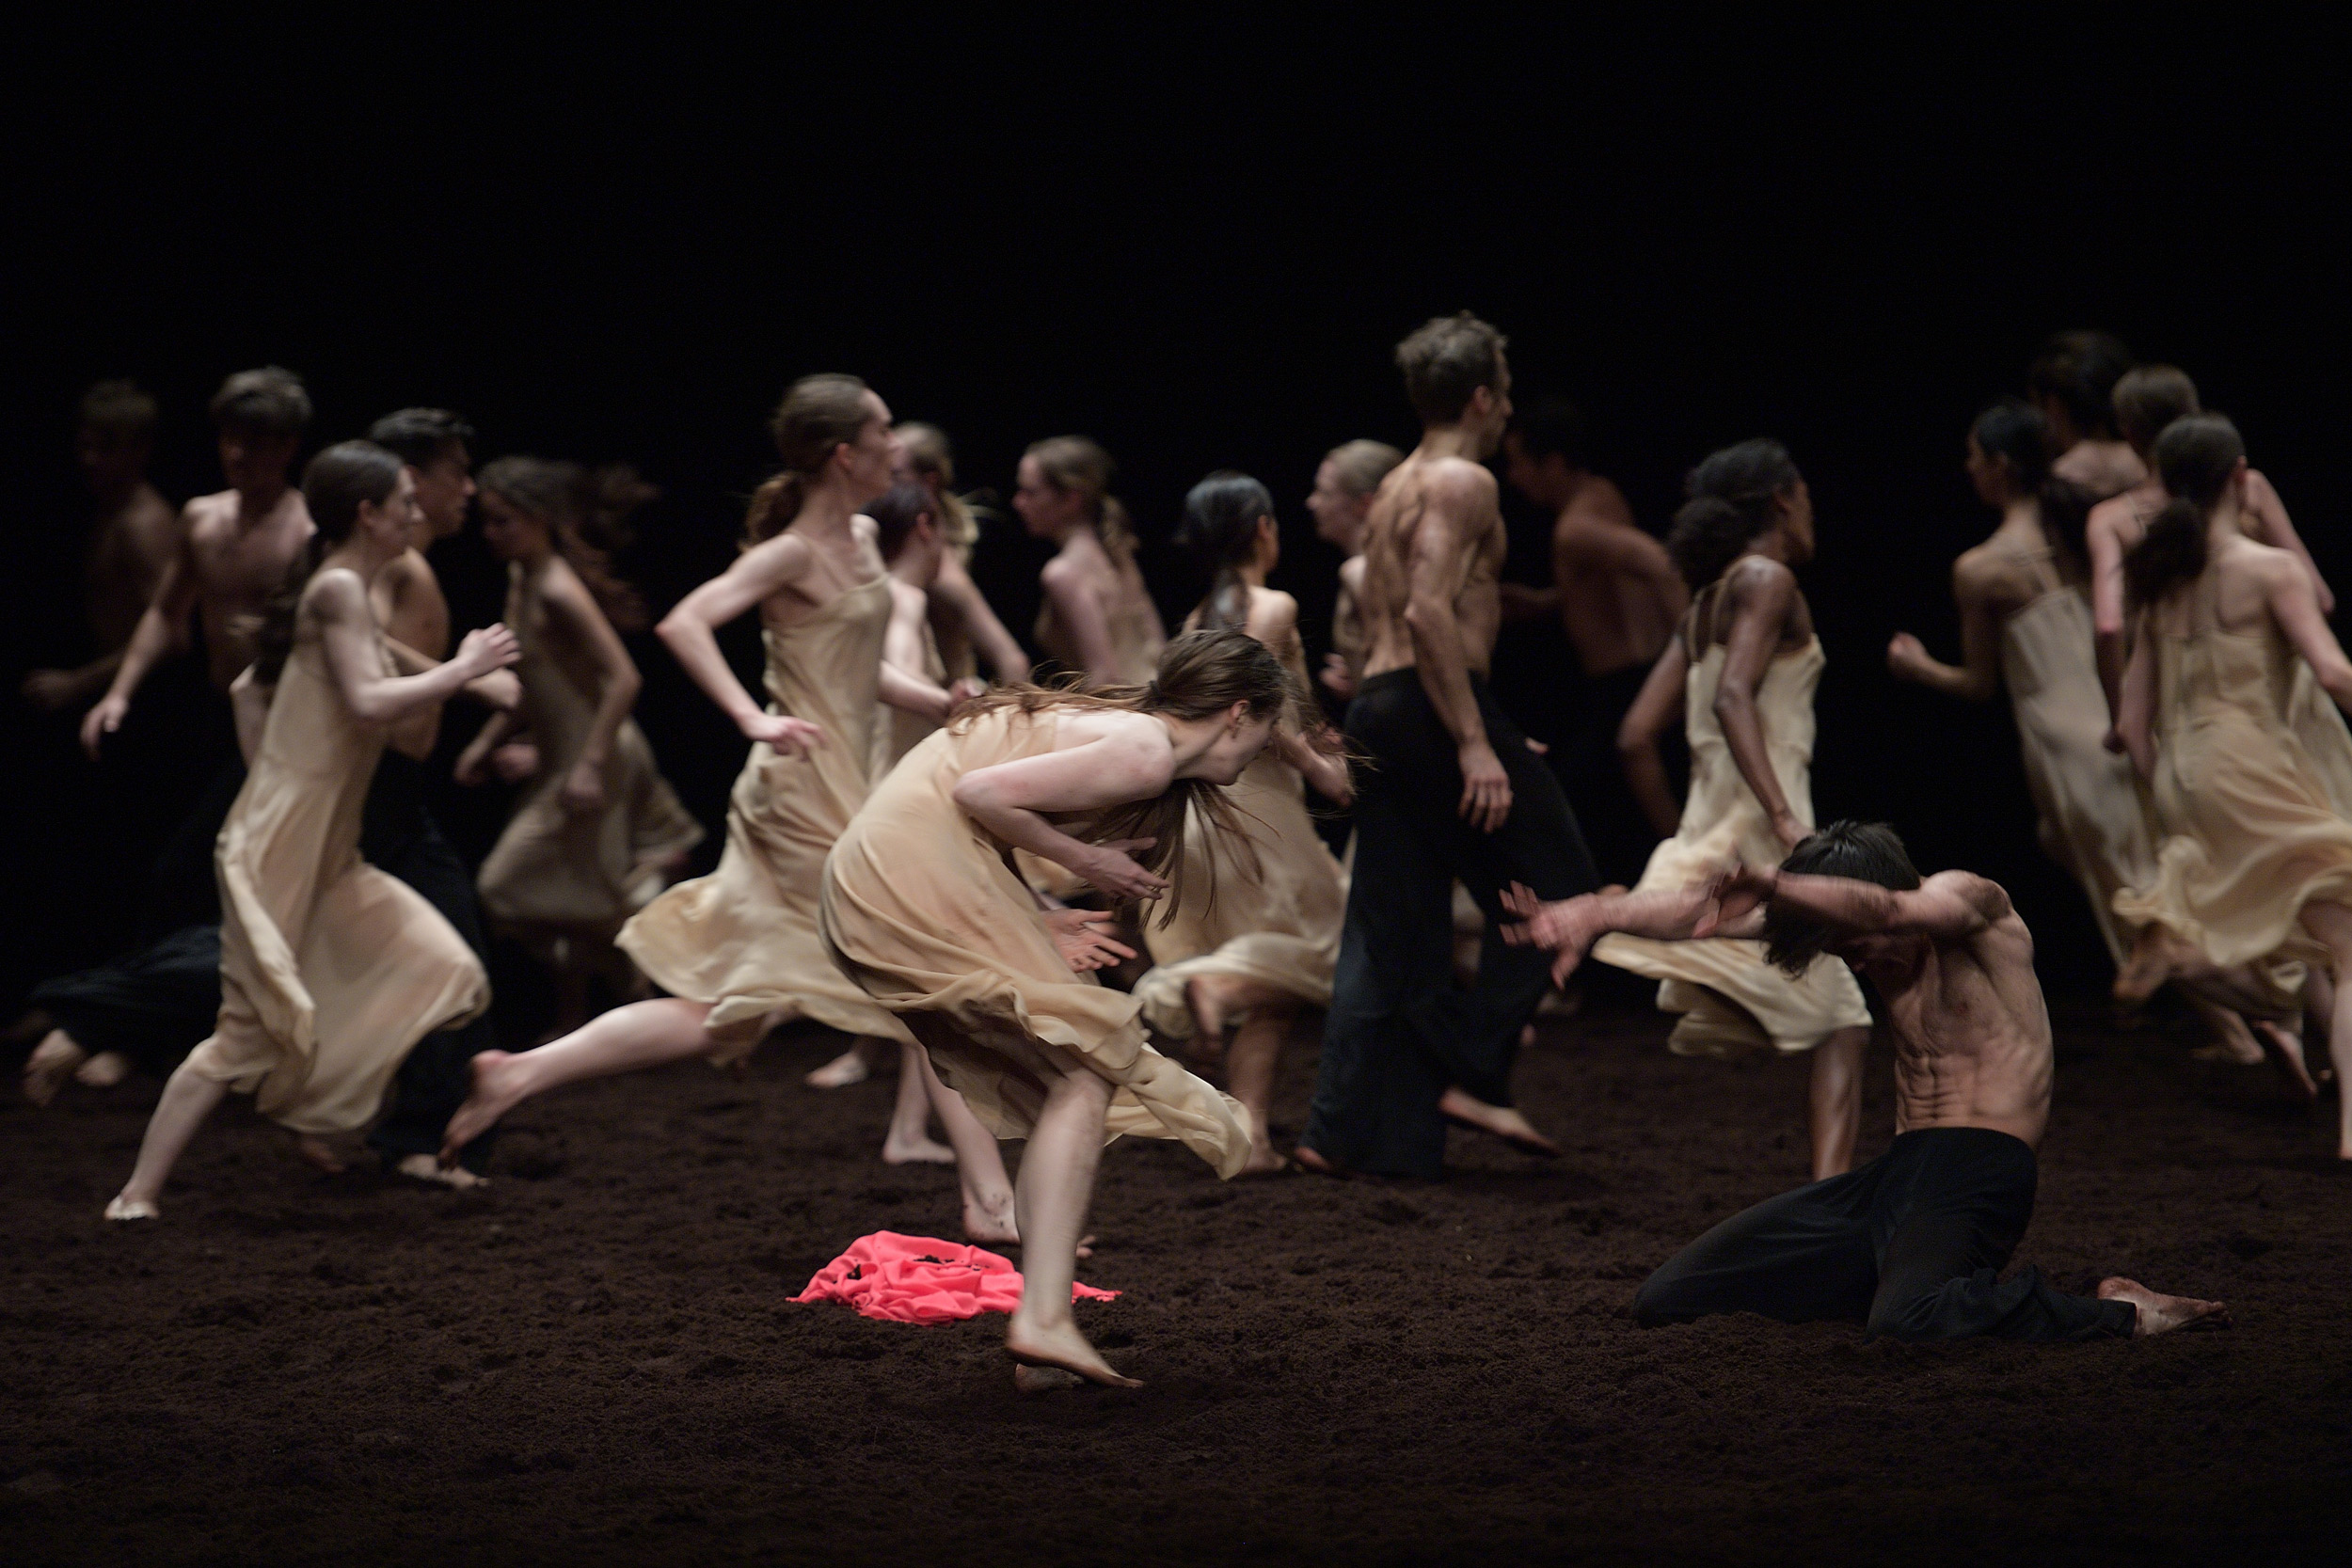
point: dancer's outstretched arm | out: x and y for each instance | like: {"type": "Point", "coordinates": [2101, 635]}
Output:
{"type": "Point", "coordinates": [1569, 926]}
{"type": "Point", "coordinates": [1946, 907]}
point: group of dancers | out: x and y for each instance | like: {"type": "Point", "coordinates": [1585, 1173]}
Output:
{"type": "Point", "coordinates": [926, 859]}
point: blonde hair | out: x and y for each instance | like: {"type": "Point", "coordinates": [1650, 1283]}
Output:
{"type": "Point", "coordinates": [1200, 674]}
{"type": "Point", "coordinates": [929, 455]}
{"type": "Point", "coordinates": [818, 414]}
{"type": "Point", "coordinates": [1362, 465]}
{"type": "Point", "coordinates": [1078, 463]}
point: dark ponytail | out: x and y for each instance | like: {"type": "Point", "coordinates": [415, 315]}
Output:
{"type": "Point", "coordinates": [1734, 498]}
{"type": "Point", "coordinates": [1219, 531]}
{"type": "Point", "coordinates": [2194, 458]}
{"type": "Point", "coordinates": [338, 482]}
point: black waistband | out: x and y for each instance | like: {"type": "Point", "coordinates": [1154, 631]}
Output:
{"type": "Point", "coordinates": [1410, 675]}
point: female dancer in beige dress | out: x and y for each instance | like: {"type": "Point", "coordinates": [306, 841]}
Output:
{"type": "Point", "coordinates": [912, 546]}
{"type": "Point", "coordinates": [961, 618]}
{"type": "Point", "coordinates": [923, 907]}
{"type": "Point", "coordinates": [602, 832]}
{"type": "Point", "coordinates": [738, 950]}
{"type": "Point", "coordinates": [1098, 618]}
{"type": "Point", "coordinates": [2146, 402]}
{"type": "Point", "coordinates": [2025, 621]}
{"type": "Point", "coordinates": [1233, 974]}
{"type": "Point", "coordinates": [331, 971]}
{"type": "Point", "coordinates": [2255, 865]}
{"type": "Point", "coordinates": [1742, 670]}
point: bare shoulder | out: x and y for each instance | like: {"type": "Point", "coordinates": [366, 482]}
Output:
{"type": "Point", "coordinates": [1123, 735]}
{"type": "Point", "coordinates": [2115, 518]}
{"type": "Point", "coordinates": [1599, 501]}
{"type": "Point", "coordinates": [2260, 493]}
{"type": "Point", "coordinates": [335, 592]}
{"type": "Point", "coordinates": [204, 513]}
{"type": "Point", "coordinates": [1758, 578]}
{"type": "Point", "coordinates": [780, 560]}
{"type": "Point", "coordinates": [1458, 482]}
{"type": "Point", "coordinates": [1062, 572]}
{"type": "Point", "coordinates": [1272, 614]}
{"type": "Point", "coordinates": [1983, 894]}
{"type": "Point", "coordinates": [1987, 573]}
{"type": "Point", "coordinates": [1352, 574]}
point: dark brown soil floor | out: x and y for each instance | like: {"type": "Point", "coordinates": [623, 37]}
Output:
{"type": "Point", "coordinates": [594, 1361]}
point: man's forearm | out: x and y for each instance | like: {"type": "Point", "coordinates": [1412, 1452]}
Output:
{"type": "Point", "coordinates": [1834, 900]}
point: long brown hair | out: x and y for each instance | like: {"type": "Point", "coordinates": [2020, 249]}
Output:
{"type": "Point", "coordinates": [586, 511]}
{"type": "Point", "coordinates": [1079, 463]}
{"type": "Point", "coordinates": [818, 414]}
{"type": "Point", "coordinates": [1202, 673]}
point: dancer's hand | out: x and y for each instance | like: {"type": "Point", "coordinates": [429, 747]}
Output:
{"type": "Point", "coordinates": [583, 786]}
{"type": "Point", "coordinates": [487, 648]}
{"type": "Point", "coordinates": [967, 689]}
{"type": "Point", "coordinates": [102, 720]}
{"type": "Point", "coordinates": [1561, 928]}
{"type": "Point", "coordinates": [1331, 778]}
{"type": "Point", "coordinates": [1335, 677]}
{"type": "Point", "coordinates": [2113, 741]}
{"type": "Point", "coordinates": [1083, 938]}
{"type": "Point", "coordinates": [792, 738]}
{"type": "Point", "coordinates": [515, 761]}
{"type": "Point", "coordinates": [1734, 895]}
{"type": "Point", "coordinates": [1485, 787]}
{"type": "Point", "coordinates": [1111, 868]}
{"type": "Point", "coordinates": [1906, 657]}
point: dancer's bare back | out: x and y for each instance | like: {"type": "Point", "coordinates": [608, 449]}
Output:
{"type": "Point", "coordinates": [1435, 532]}
{"type": "Point", "coordinates": [1620, 596]}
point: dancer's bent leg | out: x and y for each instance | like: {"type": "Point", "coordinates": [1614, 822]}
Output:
{"type": "Point", "coordinates": [988, 1200]}
{"type": "Point", "coordinates": [641, 1035]}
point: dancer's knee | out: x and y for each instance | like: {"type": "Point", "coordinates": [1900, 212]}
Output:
{"type": "Point", "coordinates": [1662, 1299]}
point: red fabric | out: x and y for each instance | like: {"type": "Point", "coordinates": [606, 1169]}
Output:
{"type": "Point", "coordinates": [918, 1280]}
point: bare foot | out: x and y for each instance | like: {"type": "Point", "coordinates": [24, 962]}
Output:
{"type": "Point", "coordinates": [843, 1071]}
{"type": "Point", "coordinates": [1064, 1348]}
{"type": "Point", "coordinates": [2160, 1314]}
{"type": "Point", "coordinates": [2147, 965]}
{"type": "Point", "coordinates": [1264, 1159]}
{"type": "Point", "coordinates": [916, 1151]}
{"type": "Point", "coordinates": [51, 1063]}
{"type": "Point", "coordinates": [497, 1087]}
{"type": "Point", "coordinates": [1206, 997]}
{"type": "Point", "coordinates": [316, 1152]}
{"type": "Point", "coordinates": [2286, 1049]}
{"type": "Point", "coordinates": [104, 1071]}
{"type": "Point", "coordinates": [1464, 1109]}
{"type": "Point", "coordinates": [132, 1209]}
{"type": "Point", "coordinates": [1309, 1160]}
{"type": "Point", "coordinates": [425, 1167]}
{"type": "Point", "coordinates": [990, 1222]}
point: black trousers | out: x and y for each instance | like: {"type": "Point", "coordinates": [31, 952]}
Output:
{"type": "Point", "coordinates": [398, 835]}
{"type": "Point", "coordinates": [1911, 1244]}
{"type": "Point", "coordinates": [1399, 1033]}
{"type": "Point", "coordinates": [1590, 767]}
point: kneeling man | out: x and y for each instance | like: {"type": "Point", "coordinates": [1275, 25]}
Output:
{"type": "Point", "coordinates": [1911, 1244]}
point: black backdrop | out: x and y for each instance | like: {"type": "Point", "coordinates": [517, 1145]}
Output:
{"type": "Point", "coordinates": [1196, 240]}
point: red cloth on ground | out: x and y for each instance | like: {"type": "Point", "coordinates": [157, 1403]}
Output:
{"type": "Point", "coordinates": [919, 1279]}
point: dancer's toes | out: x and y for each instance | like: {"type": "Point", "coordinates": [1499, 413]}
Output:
{"type": "Point", "coordinates": [1464, 1109]}
{"type": "Point", "coordinates": [1309, 1160]}
{"type": "Point", "coordinates": [132, 1209]}
{"type": "Point", "coordinates": [104, 1071]}
{"type": "Point", "coordinates": [2162, 1314]}
{"type": "Point", "coordinates": [425, 1167]}
{"type": "Point", "coordinates": [916, 1151]}
{"type": "Point", "coordinates": [498, 1088]}
{"type": "Point", "coordinates": [1064, 1348]}
{"type": "Point", "coordinates": [53, 1061]}
{"type": "Point", "coordinates": [843, 1071]}
{"type": "Point", "coordinates": [317, 1152]}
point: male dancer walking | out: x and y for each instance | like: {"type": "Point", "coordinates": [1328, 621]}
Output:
{"type": "Point", "coordinates": [1453, 792]}
{"type": "Point", "coordinates": [1913, 1243]}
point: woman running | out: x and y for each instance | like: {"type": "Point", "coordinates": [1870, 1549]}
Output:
{"type": "Point", "coordinates": [922, 905]}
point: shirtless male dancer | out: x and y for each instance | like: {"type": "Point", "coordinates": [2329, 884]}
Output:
{"type": "Point", "coordinates": [1452, 791]}
{"type": "Point", "coordinates": [1620, 600]}
{"type": "Point", "coordinates": [2071, 381]}
{"type": "Point", "coordinates": [234, 547]}
{"type": "Point", "coordinates": [130, 537]}
{"type": "Point", "coordinates": [1913, 1243]}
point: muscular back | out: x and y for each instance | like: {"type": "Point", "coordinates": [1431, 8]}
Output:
{"type": "Point", "coordinates": [1434, 529]}
{"type": "Point", "coordinates": [1619, 597]}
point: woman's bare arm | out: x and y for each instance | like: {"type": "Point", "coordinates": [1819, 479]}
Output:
{"type": "Point", "coordinates": [500, 690]}
{"type": "Point", "coordinates": [2136, 709]}
{"type": "Point", "coordinates": [570, 604]}
{"type": "Point", "coordinates": [1978, 673]}
{"type": "Point", "coordinates": [355, 659]}
{"type": "Point", "coordinates": [954, 588]}
{"type": "Point", "coordinates": [1131, 761]}
{"type": "Point", "coordinates": [1657, 705]}
{"type": "Point", "coordinates": [2294, 603]}
{"type": "Point", "coordinates": [2273, 527]}
{"type": "Point", "coordinates": [1761, 595]}
{"type": "Point", "coordinates": [690, 631]}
